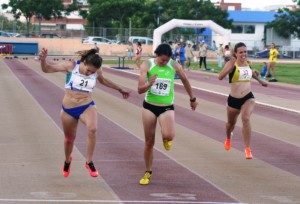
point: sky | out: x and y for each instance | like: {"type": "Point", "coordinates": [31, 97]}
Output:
{"type": "Point", "coordinates": [252, 4]}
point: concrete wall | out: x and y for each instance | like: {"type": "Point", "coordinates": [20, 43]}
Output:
{"type": "Point", "coordinates": [68, 46]}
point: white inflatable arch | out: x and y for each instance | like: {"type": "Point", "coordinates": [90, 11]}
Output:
{"type": "Point", "coordinates": [158, 32]}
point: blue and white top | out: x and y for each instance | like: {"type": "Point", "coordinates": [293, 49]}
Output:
{"type": "Point", "coordinates": [79, 82]}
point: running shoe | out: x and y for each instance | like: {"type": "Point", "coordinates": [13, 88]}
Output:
{"type": "Point", "coordinates": [227, 144]}
{"type": "Point", "coordinates": [146, 179]}
{"type": "Point", "coordinates": [167, 144]}
{"type": "Point", "coordinates": [67, 168]}
{"type": "Point", "coordinates": [93, 171]}
{"type": "Point", "coordinates": [273, 80]}
{"type": "Point", "coordinates": [263, 78]}
{"type": "Point", "coordinates": [248, 153]}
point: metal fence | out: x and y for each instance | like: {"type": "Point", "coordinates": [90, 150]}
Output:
{"type": "Point", "coordinates": [177, 34]}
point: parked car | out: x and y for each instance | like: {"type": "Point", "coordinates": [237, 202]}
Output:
{"type": "Point", "coordinates": [142, 40]}
{"type": "Point", "coordinates": [266, 54]}
{"type": "Point", "coordinates": [50, 35]}
{"type": "Point", "coordinates": [98, 40]}
{"type": "Point", "coordinates": [27, 35]}
{"type": "Point", "coordinates": [4, 34]}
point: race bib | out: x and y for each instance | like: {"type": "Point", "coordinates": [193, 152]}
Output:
{"type": "Point", "coordinates": [245, 74]}
{"type": "Point", "coordinates": [83, 83]}
{"type": "Point", "coordinates": [161, 87]}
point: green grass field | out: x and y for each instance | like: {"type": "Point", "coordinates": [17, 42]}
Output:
{"type": "Point", "coordinates": [285, 72]}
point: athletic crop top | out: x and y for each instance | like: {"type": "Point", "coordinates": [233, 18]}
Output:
{"type": "Point", "coordinates": [240, 74]}
{"type": "Point", "coordinates": [78, 82]}
{"type": "Point", "coordinates": [162, 91]}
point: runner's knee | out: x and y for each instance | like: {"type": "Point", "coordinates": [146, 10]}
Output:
{"type": "Point", "coordinates": [69, 139]}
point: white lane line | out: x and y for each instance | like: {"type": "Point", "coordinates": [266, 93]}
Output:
{"type": "Point", "coordinates": [222, 94]}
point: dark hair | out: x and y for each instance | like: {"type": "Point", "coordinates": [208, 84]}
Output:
{"type": "Point", "coordinates": [163, 49]}
{"type": "Point", "coordinates": [238, 45]}
{"type": "Point", "coordinates": [226, 46]}
{"type": "Point", "coordinates": [90, 57]}
{"type": "Point", "coordinates": [139, 43]}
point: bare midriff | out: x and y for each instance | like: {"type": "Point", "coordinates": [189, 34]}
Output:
{"type": "Point", "coordinates": [76, 98]}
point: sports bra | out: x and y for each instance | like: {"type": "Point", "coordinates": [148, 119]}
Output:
{"type": "Point", "coordinates": [79, 82]}
{"type": "Point", "coordinates": [240, 74]}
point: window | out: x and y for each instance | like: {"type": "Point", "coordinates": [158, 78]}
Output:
{"type": "Point", "coordinates": [248, 29]}
{"type": "Point", "coordinates": [237, 29]}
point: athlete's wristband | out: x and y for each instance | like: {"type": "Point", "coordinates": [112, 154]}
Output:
{"type": "Point", "coordinates": [193, 100]}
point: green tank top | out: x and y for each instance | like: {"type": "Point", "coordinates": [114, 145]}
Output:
{"type": "Point", "coordinates": [162, 91]}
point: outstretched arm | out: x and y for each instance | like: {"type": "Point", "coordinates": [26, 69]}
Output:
{"type": "Point", "coordinates": [110, 84]}
{"type": "Point", "coordinates": [186, 84]}
{"type": "Point", "coordinates": [56, 67]}
{"type": "Point", "coordinates": [262, 82]}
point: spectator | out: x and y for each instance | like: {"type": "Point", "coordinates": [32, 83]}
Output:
{"type": "Point", "coordinates": [97, 48]}
{"type": "Point", "coordinates": [202, 54]}
{"type": "Point", "coordinates": [272, 61]}
{"type": "Point", "coordinates": [220, 54]}
{"type": "Point", "coordinates": [214, 46]}
{"type": "Point", "coordinates": [227, 54]}
{"type": "Point", "coordinates": [189, 55]}
{"type": "Point", "coordinates": [180, 54]}
{"type": "Point", "coordinates": [138, 55]}
{"type": "Point", "coordinates": [130, 51]}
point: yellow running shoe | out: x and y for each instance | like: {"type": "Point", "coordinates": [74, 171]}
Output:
{"type": "Point", "coordinates": [167, 144]}
{"type": "Point", "coordinates": [248, 153]}
{"type": "Point", "coordinates": [227, 144]}
{"type": "Point", "coordinates": [146, 179]}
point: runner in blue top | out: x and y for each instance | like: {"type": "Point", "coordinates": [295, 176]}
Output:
{"type": "Point", "coordinates": [78, 103]}
{"type": "Point", "coordinates": [157, 81]}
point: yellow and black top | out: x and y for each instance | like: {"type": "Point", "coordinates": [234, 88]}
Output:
{"type": "Point", "coordinates": [240, 74]}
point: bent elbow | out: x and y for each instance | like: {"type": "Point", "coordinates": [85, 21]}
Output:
{"type": "Point", "coordinates": [140, 91]}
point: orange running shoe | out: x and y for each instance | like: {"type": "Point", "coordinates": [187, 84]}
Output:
{"type": "Point", "coordinates": [248, 153]}
{"type": "Point", "coordinates": [227, 144]}
{"type": "Point", "coordinates": [93, 171]}
{"type": "Point", "coordinates": [67, 168]}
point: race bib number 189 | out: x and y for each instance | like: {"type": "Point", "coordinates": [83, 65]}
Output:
{"type": "Point", "coordinates": [161, 87]}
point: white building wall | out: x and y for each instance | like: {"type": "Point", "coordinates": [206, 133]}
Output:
{"type": "Point", "coordinates": [253, 41]}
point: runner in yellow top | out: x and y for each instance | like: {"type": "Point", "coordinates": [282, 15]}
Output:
{"type": "Point", "coordinates": [240, 99]}
{"type": "Point", "coordinates": [272, 61]}
{"type": "Point", "coordinates": [157, 81]}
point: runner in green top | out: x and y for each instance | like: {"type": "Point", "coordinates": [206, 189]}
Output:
{"type": "Point", "coordinates": [162, 91]}
{"type": "Point", "coordinates": [157, 81]}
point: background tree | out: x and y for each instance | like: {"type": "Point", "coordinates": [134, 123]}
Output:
{"type": "Point", "coordinates": [21, 7]}
{"type": "Point", "coordinates": [287, 22]}
{"type": "Point", "coordinates": [112, 13]}
{"type": "Point", "coordinates": [38, 8]}
{"type": "Point", "coordinates": [180, 9]}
